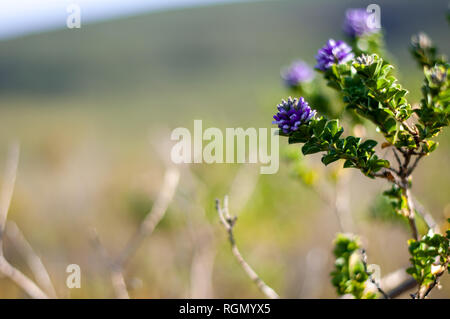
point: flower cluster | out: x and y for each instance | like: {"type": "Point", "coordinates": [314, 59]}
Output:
{"type": "Point", "coordinates": [421, 41]}
{"type": "Point", "coordinates": [298, 72]}
{"type": "Point", "coordinates": [438, 75]}
{"type": "Point", "coordinates": [292, 113]}
{"type": "Point", "coordinates": [355, 23]}
{"type": "Point", "coordinates": [334, 52]}
{"type": "Point", "coordinates": [365, 59]}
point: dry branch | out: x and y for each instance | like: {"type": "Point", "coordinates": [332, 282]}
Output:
{"type": "Point", "coordinates": [25, 283]}
{"type": "Point", "coordinates": [228, 222]}
{"type": "Point", "coordinates": [146, 228]}
{"type": "Point", "coordinates": [33, 261]}
{"type": "Point", "coordinates": [170, 183]}
{"type": "Point", "coordinates": [397, 283]}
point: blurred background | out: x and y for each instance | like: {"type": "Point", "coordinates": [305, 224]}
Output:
{"type": "Point", "coordinates": [93, 109]}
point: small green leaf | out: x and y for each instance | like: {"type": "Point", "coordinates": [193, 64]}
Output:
{"type": "Point", "coordinates": [319, 126]}
{"type": "Point", "coordinates": [310, 148]}
{"type": "Point", "coordinates": [329, 158]}
{"type": "Point", "coordinates": [368, 145]}
{"type": "Point", "coordinates": [348, 164]}
{"type": "Point", "coordinates": [333, 126]}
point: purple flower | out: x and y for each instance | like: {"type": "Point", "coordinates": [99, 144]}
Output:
{"type": "Point", "coordinates": [293, 113]}
{"type": "Point", "coordinates": [333, 52]}
{"type": "Point", "coordinates": [298, 72]}
{"type": "Point", "coordinates": [355, 24]}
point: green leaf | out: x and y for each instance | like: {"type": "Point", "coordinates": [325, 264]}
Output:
{"type": "Point", "coordinates": [348, 164]}
{"type": "Point", "coordinates": [330, 158]}
{"type": "Point", "coordinates": [390, 125]}
{"type": "Point", "coordinates": [430, 146]}
{"type": "Point", "coordinates": [333, 126]}
{"type": "Point", "coordinates": [319, 126]}
{"type": "Point", "coordinates": [368, 145]}
{"type": "Point", "coordinates": [310, 148]}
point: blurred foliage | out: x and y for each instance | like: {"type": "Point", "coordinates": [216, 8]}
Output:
{"type": "Point", "coordinates": [350, 275]}
{"type": "Point", "coordinates": [382, 209]}
{"type": "Point", "coordinates": [429, 258]}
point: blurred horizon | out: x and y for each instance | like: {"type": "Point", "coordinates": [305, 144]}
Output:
{"type": "Point", "coordinates": [24, 17]}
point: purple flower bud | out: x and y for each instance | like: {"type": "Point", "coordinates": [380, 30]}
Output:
{"type": "Point", "coordinates": [293, 113]}
{"type": "Point", "coordinates": [421, 41]}
{"type": "Point", "coordinates": [334, 52]}
{"type": "Point", "coordinates": [298, 72]}
{"type": "Point", "coordinates": [438, 74]}
{"type": "Point", "coordinates": [355, 24]}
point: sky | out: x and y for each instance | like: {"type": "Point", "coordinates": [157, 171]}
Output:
{"type": "Point", "coordinates": [20, 17]}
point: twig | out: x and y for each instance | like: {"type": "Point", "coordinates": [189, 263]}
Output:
{"type": "Point", "coordinates": [146, 228]}
{"type": "Point", "coordinates": [116, 274]}
{"type": "Point", "coordinates": [313, 273]}
{"type": "Point", "coordinates": [202, 265]}
{"type": "Point", "coordinates": [411, 214]}
{"type": "Point", "coordinates": [8, 188]}
{"type": "Point", "coordinates": [404, 167]}
{"type": "Point", "coordinates": [427, 217]}
{"type": "Point", "coordinates": [337, 204]}
{"type": "Point", "coordinates": [148, 225]}
{"type": "Point", "coordinates": [21, 280]}
{"type": "Point", "coordinates": [399, 162]}
{"type": "Point", "coordinates": [34, 262]}
{"type": "Point", "coordinates": [326, 199]}
{"type": "Point", "coordinates": [201, 234]}
{"type": "Point", "coordinates": [409, 129]}
{"type": "Point", "coordinates": [397, 283]}
{"type": "Point", "coordinates": [424, 291]}
{"type": "Point", "coordinates": [414, 165]}
{"type": "Point", "coordinates": [401, 179]}
{"type": "Point", "coordinates": [6, 268]}
{"type": "Point", "coordinates": [241, 188]}
{"type": "Point", "coordinates": [387, 174]}
{"type": "Point", "coordinates": [341, 204]}
{"type": "Point", "coordinates": [372, 280]}
{"type": "Point", "coordinates": [228, 222]}
{"type": "Point", "coordinates": [119, 284]}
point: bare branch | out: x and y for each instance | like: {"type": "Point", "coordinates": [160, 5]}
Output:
{"type": "Point", "coordinates": [241, 189]}
{"type": "Point", "coordinates": [243, 186]}
{"type": "Point", "coordinates": [21, 280]}
{"type": "Point", "coordinates": [170, 183]}
{"type": "Point", "coordinates": [202, 265]}
{"type": "Point", "coordinates": [34, 262]}
{"type": "Point", "coordinates": [411, 131]}
{"type": "Point", "coordinates": [7, 190]}
{"type": "Point", "coordinates": [411, 215]}
{"type": "Point", "coordinates": [339, 202]}
{"type": "Point", "coordinates": [424, 291]}
{"type": "Point", "coordinates": [397, 283]}
{"type": "Point", "coordinates": [414, 165]}
{"type": "Point", "coordinates": [117, 279]}
{"type": "Point", "coordinates": [371, 279]}
{"type": "Point", "coordinates": [387, 174]}
{"type": "Point", "coordinates": [399, 162]}
{"type": "Point", "coordinates": [119, 284]}
{"type": "Point", "coordinates": [146, 228]}
{"type": "Point", "coordinates": [228, 222]}
{"type": "Point", "coordinates": [427, 217]}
